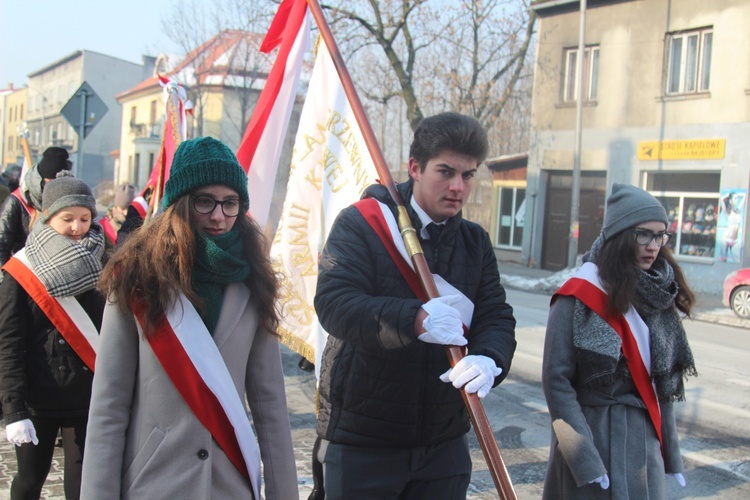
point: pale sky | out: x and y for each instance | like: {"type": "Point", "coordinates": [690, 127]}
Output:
{"type": "Point", "coordinates": [35, 33]}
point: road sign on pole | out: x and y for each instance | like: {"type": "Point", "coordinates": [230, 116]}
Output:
{"type": "Point", "coordinates": [83, 111]}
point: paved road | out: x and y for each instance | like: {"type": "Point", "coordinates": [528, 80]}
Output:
{"type": "Point", "coordinates": [519, 418]}
{"type": "Point", "coordinates": [300, 387]}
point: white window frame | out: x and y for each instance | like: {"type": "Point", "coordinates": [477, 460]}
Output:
{"type": "Point", "coordinates": [590, 74]}
{"type": "Point", "coordinates": [513, 222]}
{"type": "Point", "coordinates": [689, 62]}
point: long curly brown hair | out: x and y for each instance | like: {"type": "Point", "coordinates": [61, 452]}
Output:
{"type": "Point", "coordinates": [156, 263]}
{"type": "Point", "coordinates": [618, 270]}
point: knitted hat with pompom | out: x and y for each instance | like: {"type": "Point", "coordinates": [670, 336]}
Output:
{"type": "Point", "coordinates": [66, 191]}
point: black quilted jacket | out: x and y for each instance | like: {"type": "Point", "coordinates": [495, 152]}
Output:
{"type": "Point", "coordinates": [40, 373]}
{"type": "Point", "coordinates": [14, 228]}
{"type": "Point", "coordinates": [379, 385]}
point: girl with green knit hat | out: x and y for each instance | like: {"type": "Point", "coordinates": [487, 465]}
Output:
{"type": "Point", "coordinates": [189, 335]}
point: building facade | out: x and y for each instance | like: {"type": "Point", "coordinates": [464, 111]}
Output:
{"type": "Point", "coordinates": [507, 226]}
{"type": "Point", "coordinates": [666, 106]}
{"type": "Point", "coordinates": [15, 105]}
{"type": "Point", "coordinates": [223, 78]}
{"type": "Point", "coordinates": [52, 86]}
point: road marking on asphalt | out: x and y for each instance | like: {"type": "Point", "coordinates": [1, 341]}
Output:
{"type": "Point", "coordinates": [528, 357]}
{"type": "Point", "coordinates": [739, 381]}
{"type": "Point", "coordinates": [537, 406]}
{"type": "Point", "coordinates": [713, 462]}
{"type": "Point", "coordinates": [739, 412]}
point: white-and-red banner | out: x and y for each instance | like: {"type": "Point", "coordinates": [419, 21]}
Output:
{"type": "Point", "coordinates": [260, 148]}
{"type": "Point", "coordinates": [331, 166]}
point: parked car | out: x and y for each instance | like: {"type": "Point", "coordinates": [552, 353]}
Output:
{"type": "Point", "coordinates": [737, 292]}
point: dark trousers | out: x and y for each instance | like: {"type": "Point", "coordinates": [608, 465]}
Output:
{"type": "Point", "coordinates": [436, 472]}
{"type": "Point", "coordinates": [34, 461]}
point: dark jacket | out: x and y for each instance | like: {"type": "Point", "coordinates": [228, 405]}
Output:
{"type": "Point", "coordinates": [14, 228]}
{"type": "Point", "coordinates": [133, 221]}
{"type": "Point", "coordinates": [379, 385]}
{"type": "Point", "coordinates": [40, 374]}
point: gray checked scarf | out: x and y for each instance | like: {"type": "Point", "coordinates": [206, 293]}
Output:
{"type": "Point", "coordinates": [671, 357]}
{"type": "Point", "coordinates": [65, 267]}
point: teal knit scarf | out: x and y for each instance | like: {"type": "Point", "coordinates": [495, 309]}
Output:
{"type": "Point", "coordinates": [218, 261]}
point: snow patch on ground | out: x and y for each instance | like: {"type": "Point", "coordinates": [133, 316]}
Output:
{"type": "Point", "coordinates": [549, 284]}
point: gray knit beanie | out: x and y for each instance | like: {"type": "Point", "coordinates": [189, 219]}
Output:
{"type": "Point", "coordinates": [203, 162]}
{"type": "Point", "coordinates": [66, 191]}
{"type": "Point", "coordinates": [628, 206]}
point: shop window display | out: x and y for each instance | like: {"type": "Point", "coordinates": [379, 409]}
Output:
{"type": "Point", "coordinates": [692, 221]}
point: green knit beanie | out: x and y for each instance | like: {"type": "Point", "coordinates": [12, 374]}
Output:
{"type": "Point", "coordinates": [204, 162]}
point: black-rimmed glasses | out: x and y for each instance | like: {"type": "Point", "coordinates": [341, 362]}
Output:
{"type": "Point", "coordinates": [644, 237]}
{"type": "Point", "coordinates": [206, 205]}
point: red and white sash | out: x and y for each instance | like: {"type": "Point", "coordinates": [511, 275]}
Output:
{"type": "Point", "coordinates": [189, 355]}
{"type": "Point", "coordinates": [17, 193]}
{"type": "Point", "coordinates": [382, 221]}
{"type": "Point", "coordinates": [109, 230]}
{"type": "Point", "coordinates": [66, 313]}
{"type": "Point", "coordinates": [586, 287]}
{"type": "Point", "coordinates": [140, 204]}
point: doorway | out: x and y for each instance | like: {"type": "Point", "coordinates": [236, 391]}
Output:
{"type": "Point", "coordinates": [557, 215]}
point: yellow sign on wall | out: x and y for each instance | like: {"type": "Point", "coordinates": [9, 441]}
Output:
{"type": "Point", "coordinates": [690, 149]}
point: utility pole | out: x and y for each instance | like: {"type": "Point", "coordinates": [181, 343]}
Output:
{"type": "Point", "coordinates": [83, 94]}
{"type": "Point", "coordinates": [575, 196]}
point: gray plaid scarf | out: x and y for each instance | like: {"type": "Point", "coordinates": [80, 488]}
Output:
{"type": "Point", "coordinates": [65, 267]}
{"type": "Point", "coordinates": [671, 357]}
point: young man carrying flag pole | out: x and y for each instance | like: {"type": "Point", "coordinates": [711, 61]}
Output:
{"type": "Point", "coordinates": [455, 354]}
{"type": "Point", "coordinates": [290, 10]}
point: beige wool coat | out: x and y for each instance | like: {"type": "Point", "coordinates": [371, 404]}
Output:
{"type": "Point", "coordinates": [143, 441]}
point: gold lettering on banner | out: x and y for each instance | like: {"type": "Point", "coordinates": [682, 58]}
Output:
{"type": "Point", "coordinates": [298, 224]}
{"type": "Point", "coordinates": [292, 303]}
{"type": "Point", "coordinates": [314, 141]}
{"type": "Point", "coordinates": [303, 260]}
{"type": "Point", "coordinates": [335, 128]}
{"type": "Point", "coordinates": [333, 170]}
{"type": "Point", "coordinates": [317, 182]}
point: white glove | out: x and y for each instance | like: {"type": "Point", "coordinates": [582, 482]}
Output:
{"type": "Point", "coordinates": [443, 322]}
{"type": "Point", "coordinates": [679, 478]}
{"type": "Point", "coordinates": [476, 372]}
{"type": "Point", "coordinates": [602, 480]}
{"type": "Point", "coordinates": [21, 432]}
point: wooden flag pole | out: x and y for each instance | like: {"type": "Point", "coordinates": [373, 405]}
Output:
{"type": "Point", "coordinates": [24, 134]}
{"type": "Point", "coordinates": [474, 406]}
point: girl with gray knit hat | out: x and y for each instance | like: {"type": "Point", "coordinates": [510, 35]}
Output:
{"type": "Point", "coordinates": [20, 210]}
{"type": "Point", "coordinates": [615, 358]}
{"type": "Point", "coordinates": [50, 314]}
{"type": "Point", "coordinates": [189, 335]}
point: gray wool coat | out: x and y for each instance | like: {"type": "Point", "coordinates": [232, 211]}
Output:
{"type": "Point", "coordinates": [144, 442]}
{"type": "Point", "coordinates": [600, 431]}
